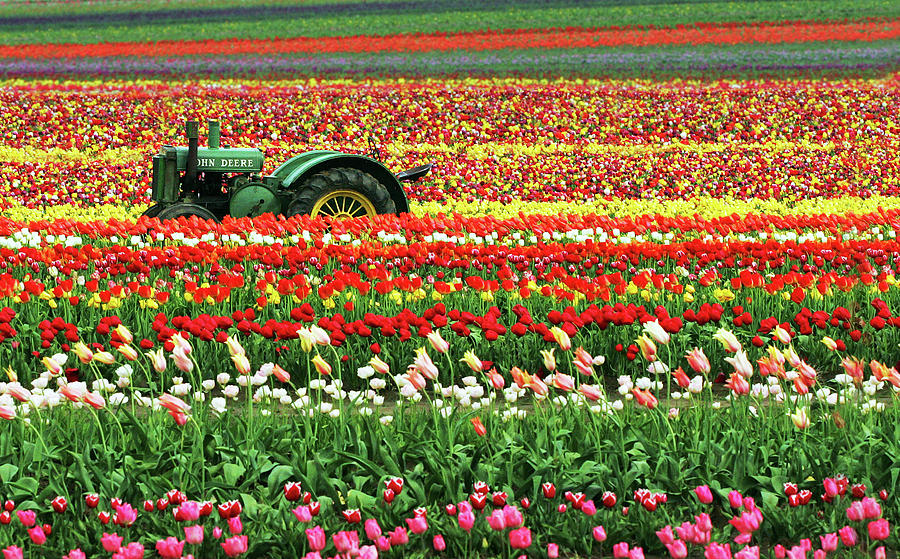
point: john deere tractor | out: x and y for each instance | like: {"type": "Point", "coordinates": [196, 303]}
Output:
{"type": "Point", "coordinates": [215, 181]}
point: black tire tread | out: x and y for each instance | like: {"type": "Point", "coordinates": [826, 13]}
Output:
{"type": "Point", "coordinates": [341, 178]}
{"type": "Point", "coordinates": [185, 210]}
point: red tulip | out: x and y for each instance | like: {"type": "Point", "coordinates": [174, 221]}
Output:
{"type": "Point", "coordinates": [59, 504]}
{"type": "Point", "coordinates": [548, 489]}
{"type": "Point", "coordinates": [292, 490]}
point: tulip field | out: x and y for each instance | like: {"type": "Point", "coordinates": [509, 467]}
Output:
{"type": "Point", "coordinates": [646, 303]}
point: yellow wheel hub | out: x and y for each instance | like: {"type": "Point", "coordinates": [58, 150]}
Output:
{"type": "Point", "coordinates": [343, 204]}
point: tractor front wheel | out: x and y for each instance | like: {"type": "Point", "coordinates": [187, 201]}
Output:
{"type": "Point", "coordinates": [153, 210]}
{"type": "Point", "coordinates": [342, 193]}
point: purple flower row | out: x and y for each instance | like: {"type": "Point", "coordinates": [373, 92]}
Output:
{"type": "Point", "coordinates": [882, 57]}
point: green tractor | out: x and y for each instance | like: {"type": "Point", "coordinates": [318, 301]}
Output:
{"type": "Point", "coordinates": [215, 181]}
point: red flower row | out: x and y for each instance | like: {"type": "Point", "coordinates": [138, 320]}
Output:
{"type": "Point", "coordinates": [718, 34]}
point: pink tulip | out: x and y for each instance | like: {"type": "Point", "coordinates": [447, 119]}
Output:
{"type": "Point", "coordinates": [235, 526]}
{"type": "Point", "coordinates": [383, 543]}
{"type": "Point", "coordinates": [466, 520]}
{"type": "Point", "coordinates": [746, 523]}
{"type": "Point", "coordinates": [437, 342]}
{"type": "Point", "coordinates": [496, 520]}
{"type": "Point", "coordinates": [779, 551]}
{"type": "Point", "coordinates": [438, 543]}
{"type": "Point", "coordinates": [399, 536]}
{"type": "Point", "coordinates": [717, 551]}
{"type": "Point", "coordinates": [13, 552]}
{"type": "Point", "coordinates": [704, 494]}
{"type": "Point", "coordinates": [368, 552]}
{"type": "Point", "coordinates": [589, 508]}
{"type": "Point", "coordinates": [698, 361]}
{"type": "Point", "coordinates": [820, 554]}
{"type": "Point", "coordinates": [687, 532]}
{"type": "Point", "coordinates": [583, 362]}
{"type": "Point", "coordinates": [855, 512]}
{"type": "Point", "coordinates": [829, 541]}
{"type": "Point", "coordinates": [796, 552]}
{"type": "Point", "coordinates": [703, 522]}
{"type": "Point", "coordinates": [636, 553]}
{"type": "Point", "coordinates": [182, 362]}
{"type": "Point", "coordinates": [879, 529]}
{"type": "Point", "coordinates": [188, 511]}
{"type": "Point", "coordinates": [590, 391]}
{"type": "Point", "coordinates": [373, 530]}
{"type": "Point", "coordinates": [170, 548]}
{"type": "Point", "coordinates": [425, 365]}
{"type": "Point", "coordinates": [748, 553]}
{"type": "Point", "coordinates": [316, 538]}
{"type": "Point", "coordinates": [39, 537]}
{"type": "Point", "coordinates": [831, 488]}
{"type": "Point", "coordinates": [217, 532]}
{"type": "Point", "coordinates": [134, 550]}
{"type": "Point", "coordinates": [75, 554]}
{"type": "Point", "coordinates": [235, 545]}
{"type": "Point", "coordinates": [193, 534]}
{"type": "Point", "coordinates": [871, 508]}
{"type": "Point", "coordinates": [599, 533]}
{"type": "Point", "coordinates": [303, 513]}
{"type": "Point", "coordinates": [564, 382]}
{"type": "Point", "coordinates": [417, 525]}
{"type": "Point", "coordinates": [313, 555]}
{"type": "Point", "coordinates": [26, 517]}
{"type": "Point", "coordinates": [520, 538]}
{"type": "Point", "coordinates": [848, 536]}
{"type": "Point", "coordinates": [347, 541]}
{"type": "Point", "coordinates": [677, 549]}
{"type": "Point", "coordinates": [552, 551]}
{"type": "Point", "coordinates": [666, 536]}
{"type": "Point", "coordinates": [512, 517]}
{"type": "Point", "coordinates": [735, 499]}
{"type": "Point", "coordinates": [620, 550]}
{"type": "Point", "coordinates": [111, 542]}
{"type": "Point", "coordinates": [880, 553]}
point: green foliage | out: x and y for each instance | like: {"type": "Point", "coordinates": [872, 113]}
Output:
{"type": "Point", "coordinates": [446, 17]}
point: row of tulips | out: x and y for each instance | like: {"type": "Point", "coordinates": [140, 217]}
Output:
{"type": "Point", "coordinates": [842, 224]}
{"type": "Point", "coordinates": [708, 33]}
{"type": "Point", "coordinates": [489, 176]}
{"type": "Point", "coordinates": [389, 294]}
{"type": "Point", "coordinates": [350, 536]}
{"type": "Point", "coordinates": [791, 393]}
{"type": "Point", "coordinates": [782, 115]}
{"type": "Point", "coordinates": [524, 140]}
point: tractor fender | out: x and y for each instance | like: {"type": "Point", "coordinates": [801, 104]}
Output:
{"type": "Point", "coordinates": [296, 169]}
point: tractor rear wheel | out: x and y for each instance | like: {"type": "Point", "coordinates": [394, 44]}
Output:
{"type": "Point", "coordinates": [342, 193]}
{"type": "Point", "coordinates": [183, 209]}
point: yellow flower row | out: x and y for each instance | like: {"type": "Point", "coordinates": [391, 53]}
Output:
{"type": "Point", "coordinates": [485, 150]}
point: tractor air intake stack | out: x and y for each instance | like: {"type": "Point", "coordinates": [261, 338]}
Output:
{"type": "Point", "coordinates": [190, 172]}
{"type": "Point", "coordinates": [214, 134]}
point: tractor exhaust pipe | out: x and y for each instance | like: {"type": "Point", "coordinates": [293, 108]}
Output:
{"type": "Point", "coordinates": [192, 129]}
